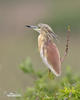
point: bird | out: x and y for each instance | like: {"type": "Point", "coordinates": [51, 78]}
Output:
{"type": "Point", "coordinates": [47, 47]}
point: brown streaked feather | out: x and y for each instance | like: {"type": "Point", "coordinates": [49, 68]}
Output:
{"type": "Point", "coordinates": [53, 57]}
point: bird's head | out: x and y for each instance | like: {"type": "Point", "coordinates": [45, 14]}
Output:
{"type": "Point", "coordinates": [43, 29]}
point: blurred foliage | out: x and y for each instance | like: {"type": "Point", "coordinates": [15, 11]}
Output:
{"type": "Point", "coordinates": [26, 66]}
{"type": "Point", "coordinates": [46, 88]}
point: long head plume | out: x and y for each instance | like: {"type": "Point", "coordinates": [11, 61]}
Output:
{"type": "Point", "coordinates": [47, 30]}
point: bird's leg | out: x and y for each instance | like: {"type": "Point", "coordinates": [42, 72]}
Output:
{"type": "Point", "coordinates": [50, 74]}
{"type": "Point", "coordinates": [67, 44]}
{"type": "Point", "coordinates": [49, 71]}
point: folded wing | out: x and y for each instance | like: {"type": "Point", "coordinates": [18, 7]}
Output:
{"type": "Point", "coordinates": [52, 58]}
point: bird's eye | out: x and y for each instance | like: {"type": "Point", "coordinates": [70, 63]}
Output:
{"type": "Point", "coordinates": [46, 27]}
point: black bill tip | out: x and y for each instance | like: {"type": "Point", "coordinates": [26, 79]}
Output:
{"type": "Point", "coordinates": [28, 26]}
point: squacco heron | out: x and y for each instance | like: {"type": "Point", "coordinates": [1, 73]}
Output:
{"type": "Point", "coordinates": [47, 48]}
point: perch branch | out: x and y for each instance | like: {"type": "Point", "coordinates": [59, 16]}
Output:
{"type": "Point", "coordinates": [67, 44]}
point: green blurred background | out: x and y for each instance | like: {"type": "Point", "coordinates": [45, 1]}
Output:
{"type": "Point", "coordinates": [17, 43]}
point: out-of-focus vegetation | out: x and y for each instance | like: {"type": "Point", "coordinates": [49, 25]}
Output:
{"type": "Point", "coordinates": [64, 88]}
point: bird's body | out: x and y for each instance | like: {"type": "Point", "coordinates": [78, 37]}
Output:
{"type": "Point", "coordinates": [49, 54]}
